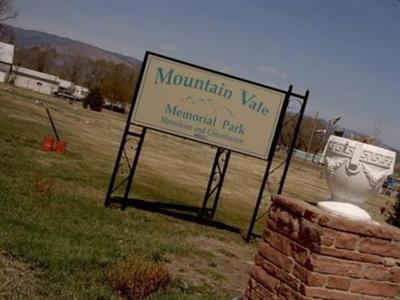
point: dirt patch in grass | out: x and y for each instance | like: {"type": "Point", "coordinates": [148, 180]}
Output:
{"type": "Point", "coordinates": [18, 280]}
{"type": "Point", "coordinates": [220, 266]}
{"type": "Point", "coordinates": [41, 185]}
{"type": "Point", "coordinates": [137, 279]}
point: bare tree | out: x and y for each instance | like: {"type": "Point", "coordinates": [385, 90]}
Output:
{"type": "Point", "coordinates": [6, 10]}
{"type": "Point", "coordinates": [45, 59]}
{"type": "Point", "coordinates": [376, 131]}
{"type": "Point", "coordinates": [6, 13]}
{"type": "Point", "coordinates": [74, 67]}
{"type": "Point", "coordinates": [41, 59]}
{"type": "Point", "coordinates": [118, 83]}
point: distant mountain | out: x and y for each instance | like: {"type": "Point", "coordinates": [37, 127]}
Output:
{"type": "Point", "coordinates": [25, 38]}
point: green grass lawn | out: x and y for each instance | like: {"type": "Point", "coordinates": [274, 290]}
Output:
{"type": "Point", "coordinates": [57, 241]}
{"type": "Point", "coordinates": [52, 215]}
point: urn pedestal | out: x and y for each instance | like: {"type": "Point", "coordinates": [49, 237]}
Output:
{"type": "Point", "coordinates": [309, 254]}
{"type": "Point", "coordinates": [354, 171]}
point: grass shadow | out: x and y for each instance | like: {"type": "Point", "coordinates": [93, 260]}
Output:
{"type": "Point", "coordinates": [183, 212]}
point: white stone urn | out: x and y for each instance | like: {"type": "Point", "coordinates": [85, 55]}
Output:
{"type": "Point", "coordinates": [354, 171]}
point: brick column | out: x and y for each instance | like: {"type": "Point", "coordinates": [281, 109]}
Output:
{"type": "Point", "coordinates": [307, 253]}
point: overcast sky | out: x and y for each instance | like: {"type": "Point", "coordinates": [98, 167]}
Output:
{"type": "Point", "coordinates": [346, 52]}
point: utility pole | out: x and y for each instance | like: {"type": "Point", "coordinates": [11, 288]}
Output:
{"type": "Point", "coordinates": [312, 135]}
{"type": "Point", "coordinates": [377, 130]}
{"type": "Point", "coordinates": [326, 134]}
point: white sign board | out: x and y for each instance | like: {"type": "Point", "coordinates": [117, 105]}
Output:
{"type": "Point", "coordinates": [207, 106]}
{"type": "Point", "coordinates": [6, 53]}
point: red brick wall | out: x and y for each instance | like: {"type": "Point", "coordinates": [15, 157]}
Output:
{"type": "Point", "coordinates": [307, 253]}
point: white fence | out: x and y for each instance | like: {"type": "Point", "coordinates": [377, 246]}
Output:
{"type": "Point", "coordinates": [299, 154]}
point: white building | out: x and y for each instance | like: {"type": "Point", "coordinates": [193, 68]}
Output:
{"type": "Point", "coordinates": [6, 60]}
{"type": "Point", "coordinates": [34, 80]}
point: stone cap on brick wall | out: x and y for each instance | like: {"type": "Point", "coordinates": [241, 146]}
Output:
{"type": "Point", "coordinates": [325, 219]}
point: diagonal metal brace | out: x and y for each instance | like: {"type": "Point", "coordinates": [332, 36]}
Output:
{"type": "Point", "coordinates": [215, 183]}
{"type": "Point", "coordinates": [125, 167]}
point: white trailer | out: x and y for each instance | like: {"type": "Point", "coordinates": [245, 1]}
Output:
{"type": "Point", "coordinates": [80, 92]}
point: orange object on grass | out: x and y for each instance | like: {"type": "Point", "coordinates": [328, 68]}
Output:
{"type": "Point", "coordinates": [47, 143]}
{"type": "Point", "coordinates": [60, 146]}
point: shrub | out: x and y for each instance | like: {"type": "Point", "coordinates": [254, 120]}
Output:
{"type": "Point", "coordinates": [393, 216]}
{"type": "Point", "coordinates": [94, 100]}
{"type": "Point", "coordinates": [137, 279]}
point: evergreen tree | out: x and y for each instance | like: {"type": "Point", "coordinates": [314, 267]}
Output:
{"type": "Point", "coordinates": [94, 100]}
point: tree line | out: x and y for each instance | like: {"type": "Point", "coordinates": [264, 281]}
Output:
{"type": "Point", "coordinates": [307, 126]}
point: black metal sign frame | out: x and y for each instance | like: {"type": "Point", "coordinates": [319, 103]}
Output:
{"type": "Point", "coordinates": [297, 118]}
{"type": "Point", "coordinates": [133, 138]}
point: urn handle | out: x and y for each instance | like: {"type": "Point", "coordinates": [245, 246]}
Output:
{"type": "Point", "coordinates": [332, 164]}
{"type": "Point", "coordinates": [374, 176]}
{"type": "Point", "coordinates": [354, 165]}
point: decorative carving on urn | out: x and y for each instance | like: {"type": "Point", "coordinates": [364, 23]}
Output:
{"type": "Point", "coordinates": [354, 171]}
